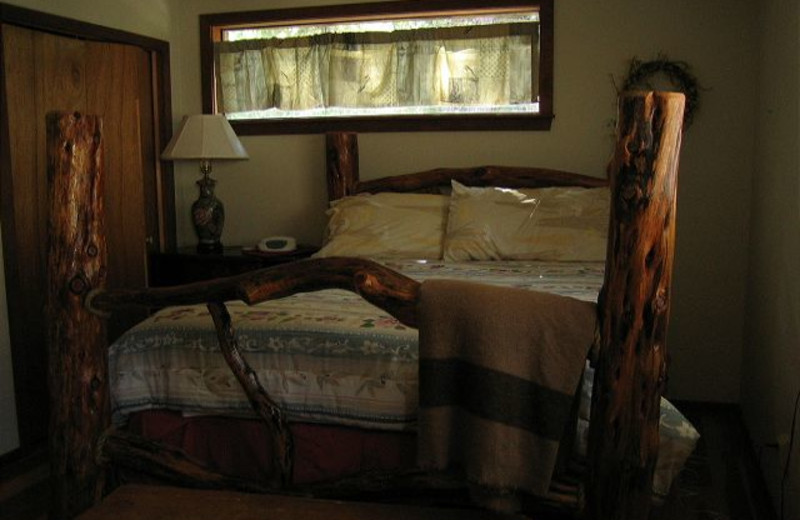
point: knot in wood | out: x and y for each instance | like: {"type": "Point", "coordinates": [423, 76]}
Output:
{"type": "Point", "coordinates": [92, 250]}
{"type": "Point", "coordinates": [628, 191]}
{"type": "Point", "coordinates": [95, 383]}
{"type": "Point", "coordinates": [78, 284]}
{"type": "Point", "coordinates": [630, 147]}
{"type": "Point", "coordinates": [662, 300]}
{"type": "Point", "coordinates": [364, 280]}
{"type": "Point", "coordinates": [628, 315]}
{"type": "Point", "coordinates": [68, 146]}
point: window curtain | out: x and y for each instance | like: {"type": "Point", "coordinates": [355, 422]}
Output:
{"type": "Point", "coordinates": [457, 66]}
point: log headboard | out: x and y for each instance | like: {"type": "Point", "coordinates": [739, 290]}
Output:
{"type": "Point", "coordinates": [633, 307]}
{"type": "Point", "coordinates": [343, 174]}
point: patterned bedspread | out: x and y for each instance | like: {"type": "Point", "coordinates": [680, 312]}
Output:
{"type": "Point", "coordinates": [327, 356]}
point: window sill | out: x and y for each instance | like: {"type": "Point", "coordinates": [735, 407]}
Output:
{"type": "Point", "coordinates": [476, 122]}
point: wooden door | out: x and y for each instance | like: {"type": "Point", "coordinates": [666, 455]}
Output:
{"type": "Point", "coordinates": [45, 73]}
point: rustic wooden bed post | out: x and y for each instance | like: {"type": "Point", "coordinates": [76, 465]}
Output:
{"type": "Point", "coordinates": [76, 338]}
{"type": "Point", "coordinates": [341, 153]}
{"type": "Point", "coordinates": [633, 307]}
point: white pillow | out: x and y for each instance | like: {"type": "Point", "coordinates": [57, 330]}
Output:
{"type": "Point", "coordinates": [387, 225]}
{"type": "Point", "coordinates": [563, 223]}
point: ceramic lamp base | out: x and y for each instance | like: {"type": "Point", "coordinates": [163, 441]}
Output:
{"type": "Point", "coordinates": [208, 217]}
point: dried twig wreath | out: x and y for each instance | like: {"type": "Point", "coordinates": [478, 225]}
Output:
{"type": "Point", "coordinates": [677, 72]}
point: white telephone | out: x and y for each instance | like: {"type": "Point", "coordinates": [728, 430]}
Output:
{"type": "Point", "coordinates": [277, 244]}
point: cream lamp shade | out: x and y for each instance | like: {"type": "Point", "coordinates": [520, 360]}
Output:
{"type": "Point", "coordinates": [204, 136]}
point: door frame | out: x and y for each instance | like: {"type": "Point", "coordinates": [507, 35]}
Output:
{"type": "Point", "coordinates": [165, 188]}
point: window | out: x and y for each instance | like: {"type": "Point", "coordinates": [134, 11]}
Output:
{"type": "Point", "coordinates": [392, 66]}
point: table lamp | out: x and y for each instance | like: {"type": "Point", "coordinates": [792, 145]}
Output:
{"type": "Point", "coordinates": [206, 137]}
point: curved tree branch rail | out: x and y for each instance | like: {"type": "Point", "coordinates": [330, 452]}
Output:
{"type": "Point", "coordinates": [262, 403]}
{"type": "Point", "coordinates": [390, 290]}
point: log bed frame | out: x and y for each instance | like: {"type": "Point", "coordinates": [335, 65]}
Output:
{"type": "Point", "coordinates": [633, 309]}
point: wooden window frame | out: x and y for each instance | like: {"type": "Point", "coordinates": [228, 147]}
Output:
{"type": "Point", "coordinates": [211, 26]}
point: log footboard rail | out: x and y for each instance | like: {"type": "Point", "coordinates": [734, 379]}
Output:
{"type": "Point", "coordinates": [394, 292]}
{"type": "Point", "coordinates": [633, 310]}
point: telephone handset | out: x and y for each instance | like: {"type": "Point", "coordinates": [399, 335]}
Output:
{"type": "Point", "coordinates": [277, 244]}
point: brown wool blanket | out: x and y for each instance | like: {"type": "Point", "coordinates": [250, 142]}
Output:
{"type": "Point", "coordinates": [499, 369]}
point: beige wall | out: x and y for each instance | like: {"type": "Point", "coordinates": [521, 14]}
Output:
{"type": "Point", "coordinates": [146, 17]}
{"type": "Point", "coordinates": [771, 374]}
{"type": "Point", "coordinates": [281, 190]}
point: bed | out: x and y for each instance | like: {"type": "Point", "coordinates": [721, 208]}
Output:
{"type": "Point", "coordinates": [381, 394]}
{"type": "Point", "coordinates": [345, 372]}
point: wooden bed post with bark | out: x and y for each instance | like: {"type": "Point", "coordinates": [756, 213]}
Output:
{"type": "Point", "coordinates": [77, 346]}
{"type": "Point", "coordinates": [341, 155]}
{"type": "Point", "coordinates": [633, 307]}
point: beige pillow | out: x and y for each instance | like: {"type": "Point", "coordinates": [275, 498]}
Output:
{"type": "Point", "coordinates": [388, 225]}
{"type": "Point", "coordinates": [562, 224]}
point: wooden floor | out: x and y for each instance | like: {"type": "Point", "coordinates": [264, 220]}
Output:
{"type": "Point", "coordinates": [719, 482]}
{"type": "Point", "coordinates": [24, 487]}
{"type": "Point", "coordinates": [138, 502]}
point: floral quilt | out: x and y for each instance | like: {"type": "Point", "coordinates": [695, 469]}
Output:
{"type": "Point", "coordinates": [325, 356]}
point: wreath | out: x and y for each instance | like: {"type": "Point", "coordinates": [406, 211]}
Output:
{"type": "Point", "coordinates": [677, 72]}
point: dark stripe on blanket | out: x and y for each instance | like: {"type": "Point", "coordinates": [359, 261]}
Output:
{"type": "Point", "coordinates": [494, 395]}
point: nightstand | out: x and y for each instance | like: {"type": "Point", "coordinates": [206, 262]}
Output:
{"type": "Point", "coordinates": [186, 265]}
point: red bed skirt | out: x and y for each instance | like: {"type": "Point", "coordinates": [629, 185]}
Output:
{"type": "Point", "coordinates": [239, 447]}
